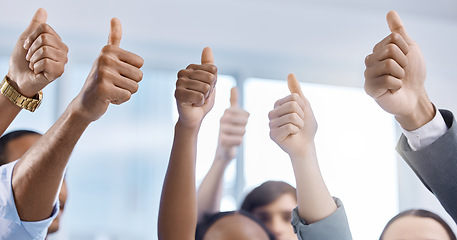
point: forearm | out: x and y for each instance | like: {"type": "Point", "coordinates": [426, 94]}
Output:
{"type": "Point", "coordinates": [9, 113]}
{"type": "Point", "coordinates": [210, 191]}
{"type": "Point", "coordinates": [178, 207]}
{"type": "Point", "coordinates": [314, 200]}
{"type": "Point", "coordinates": [38, 174]}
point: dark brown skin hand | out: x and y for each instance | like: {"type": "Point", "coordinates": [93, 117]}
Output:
{"type": "Point", "coordinates": [195, 90]}
{"type": "Point", "coordinates": [38, 58]}
{"type": "Point", "coordinates": [395, 75]}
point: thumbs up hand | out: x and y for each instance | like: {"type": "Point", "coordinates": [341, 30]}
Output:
{"type": "Point", "coordinates": [114, 77]}
{"type": "Point", "coordinates": [292, 122]}
{"type": "Point", "coordinates": [395, 75]}
{"type": "Point", "coordinates": [38, 58]}
{"type": "Point", "coordinates": [195, 90]}
{"type": "Point", "coordinates": [232, 129]}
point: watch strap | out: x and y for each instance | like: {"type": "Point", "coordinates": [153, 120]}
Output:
{"type": "Point", "coordinates": [18, 99]}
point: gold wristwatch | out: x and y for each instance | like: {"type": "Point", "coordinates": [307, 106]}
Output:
{"type": "Point", "coordinates": [18, 99]}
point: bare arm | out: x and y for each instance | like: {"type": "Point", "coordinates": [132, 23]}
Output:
{"type": "Point", "coordinates": [231, 132]}
{"type": "Point", "coordinates": [293, 127]}
{"type": "Point", "coordinates": [37, 175]}
{"type": "Point", "coordinates": [195, 97]}
{"type": "Point", "coordinates": [30, 65]}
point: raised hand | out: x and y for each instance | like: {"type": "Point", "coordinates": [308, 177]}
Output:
{"type": "Point", "coordinates": [395, 76]}
{"type": "Point", "coordinates": [195, 90]}
{"type": "Point", "coordinates": [38, 58]}
{"type": "Point", "coordinates": [232, 129]}
{"type": "Point", "coordinates": [113, 79]}
{"type": "Point", "coordinates": [292, 122]}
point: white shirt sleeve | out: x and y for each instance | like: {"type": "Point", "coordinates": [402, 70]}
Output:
{"type": "Point", "coordinates": [427, 134]}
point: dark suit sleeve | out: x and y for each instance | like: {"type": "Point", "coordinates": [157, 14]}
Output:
{"type": "Point", "coordinates": [436, 165]}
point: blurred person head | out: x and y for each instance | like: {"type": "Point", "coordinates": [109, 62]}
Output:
{"type": "Point", "coordinates": [417, 224]}
{"type": "Point", "coordinates": [234, 225]}
{"type": "Point", "coordinates": [272, 203]}
{"type": "Point", "coordinates": [12, 146]}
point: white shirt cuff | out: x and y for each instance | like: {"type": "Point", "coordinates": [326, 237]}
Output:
{"type": "Point", "coordinates": [427, 134]}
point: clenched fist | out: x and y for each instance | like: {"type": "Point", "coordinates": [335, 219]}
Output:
{"type": "Point", "coordinates": [195, 90]}
{"type": "Point", "coordinates": [292, 122]}
{"type": "Point", "coordinates": [38, 58]}
{"type": "Point", "coordinates": [113, 79]}
{"type": "Point", "coordinates": [395, 75]}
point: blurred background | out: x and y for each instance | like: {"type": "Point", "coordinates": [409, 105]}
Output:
{"type": "Point", "coordinates": [116, 171]}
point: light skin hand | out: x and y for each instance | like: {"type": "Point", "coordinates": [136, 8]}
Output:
{"type": "Point", "coordinates": [292, 122]}
{"type": "Point", "coordinates": [232, 129]}
{"type": "Point", "coordinates": [38, 58]}
{"type": "Point", "coordinates": [395, 75]}
{"type": "Point", "coordinates": [114, 77]}
{"type": "Point", "coordinates": [195, 90]}
{"type": "Point", "coordinates": [293, 127]}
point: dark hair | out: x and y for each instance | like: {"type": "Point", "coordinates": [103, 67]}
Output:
{"type": "Point", "coordinates": [209, 220]}
{"type": "Point", "coordinates": [266, 193]}
{"type": "Point", "coordinates": [420, 213]}
{"type": "Point", "coordinates": [5, 139]}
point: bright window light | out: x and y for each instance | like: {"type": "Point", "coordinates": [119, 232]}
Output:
{"type": "Point", "coordinates": [355, 147]}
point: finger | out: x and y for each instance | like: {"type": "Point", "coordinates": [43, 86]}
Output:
{"type": "Point", "coordinates": [235, 117]}
{"type": "Point", "coordinates": [292, 98]}
{"type": "Point", "coordinates": [51, 69]}
{"type": "Point", "coordinates": [205, 67]}
{"type": "Point", "coordinates": [393, 38]}
{"type": "Point", "coordinates": [396, 25]}
{"type": "Point", "coordinates": [230, 140]}
{"type": "Point", "coordinates": [281, 133]}
{"type": "Point", "coordinates": [123, 55]}
{"type": "Point", "coordinates": [119, 95]}
{"type": "Point", "coordinates": [294, 85]}
{"type": "Point", "coordinates": [234, 97]}
{"type": "Point", "coordinates": [40, 17]}
{"type": "Point", "coordinates": [38, 32]}
{"type": "Point", "coordinates": [46, 40]}
{"type": "Point", "coordinates": [189, 97]}
{"type": "Point", "coordinates": [115, 33]}
{"type": "Point", "coordinates": [390, 51]}
{"type": "Point", "coordinates": [377, 87]}
{"type": "Point", "coordinates": [291, 118]}
{"type": "Point", "coordinates": [125, 83]}
{"type": "Point", "coordinates": [48, 52]}
{"type": "Point", "coordinates": [129, 71]}
{"type": "Point", "coordinates": [233, 129]}
{"type": "Point", "coordinates": [385, 67]}
{"type": "Point", "coordinates": [202, 76]}
{"type": "Point", "coordinates": [207, 56]}
{"type": "Point", "coordinates": [286, 108]}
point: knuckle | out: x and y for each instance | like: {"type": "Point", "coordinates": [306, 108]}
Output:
{"type": "Point", "coordinates": [394, 37]}
{"type": "Point", "coordinates": [367, 60]}
{"type": "Point", "coordinates": [389, 63]}
{"type": "Point", "coordinates": [182, 73]}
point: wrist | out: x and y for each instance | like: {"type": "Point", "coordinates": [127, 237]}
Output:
{"type": "Point", "coordinates": [424, 112]}
{"type": "Point", "coordinates": [187, 127]}
{"type": "Point", "coordinates": [303, 152]}
{"type": "Point", "coordinates": [27, 91]}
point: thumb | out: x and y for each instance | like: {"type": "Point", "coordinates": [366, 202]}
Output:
{"type": "Point", "coordinates": [396, 25]}
{"type": "Point", "coordinates": [40, 17]}
{"type": "Point", "coordinates": [294, 85]}
{"type": "Point", "coordinates": [207, 56]}
{"type": "Point", "coordinates": [234, 97]}
{"type": "Point", "coordinates": [115, 33]}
